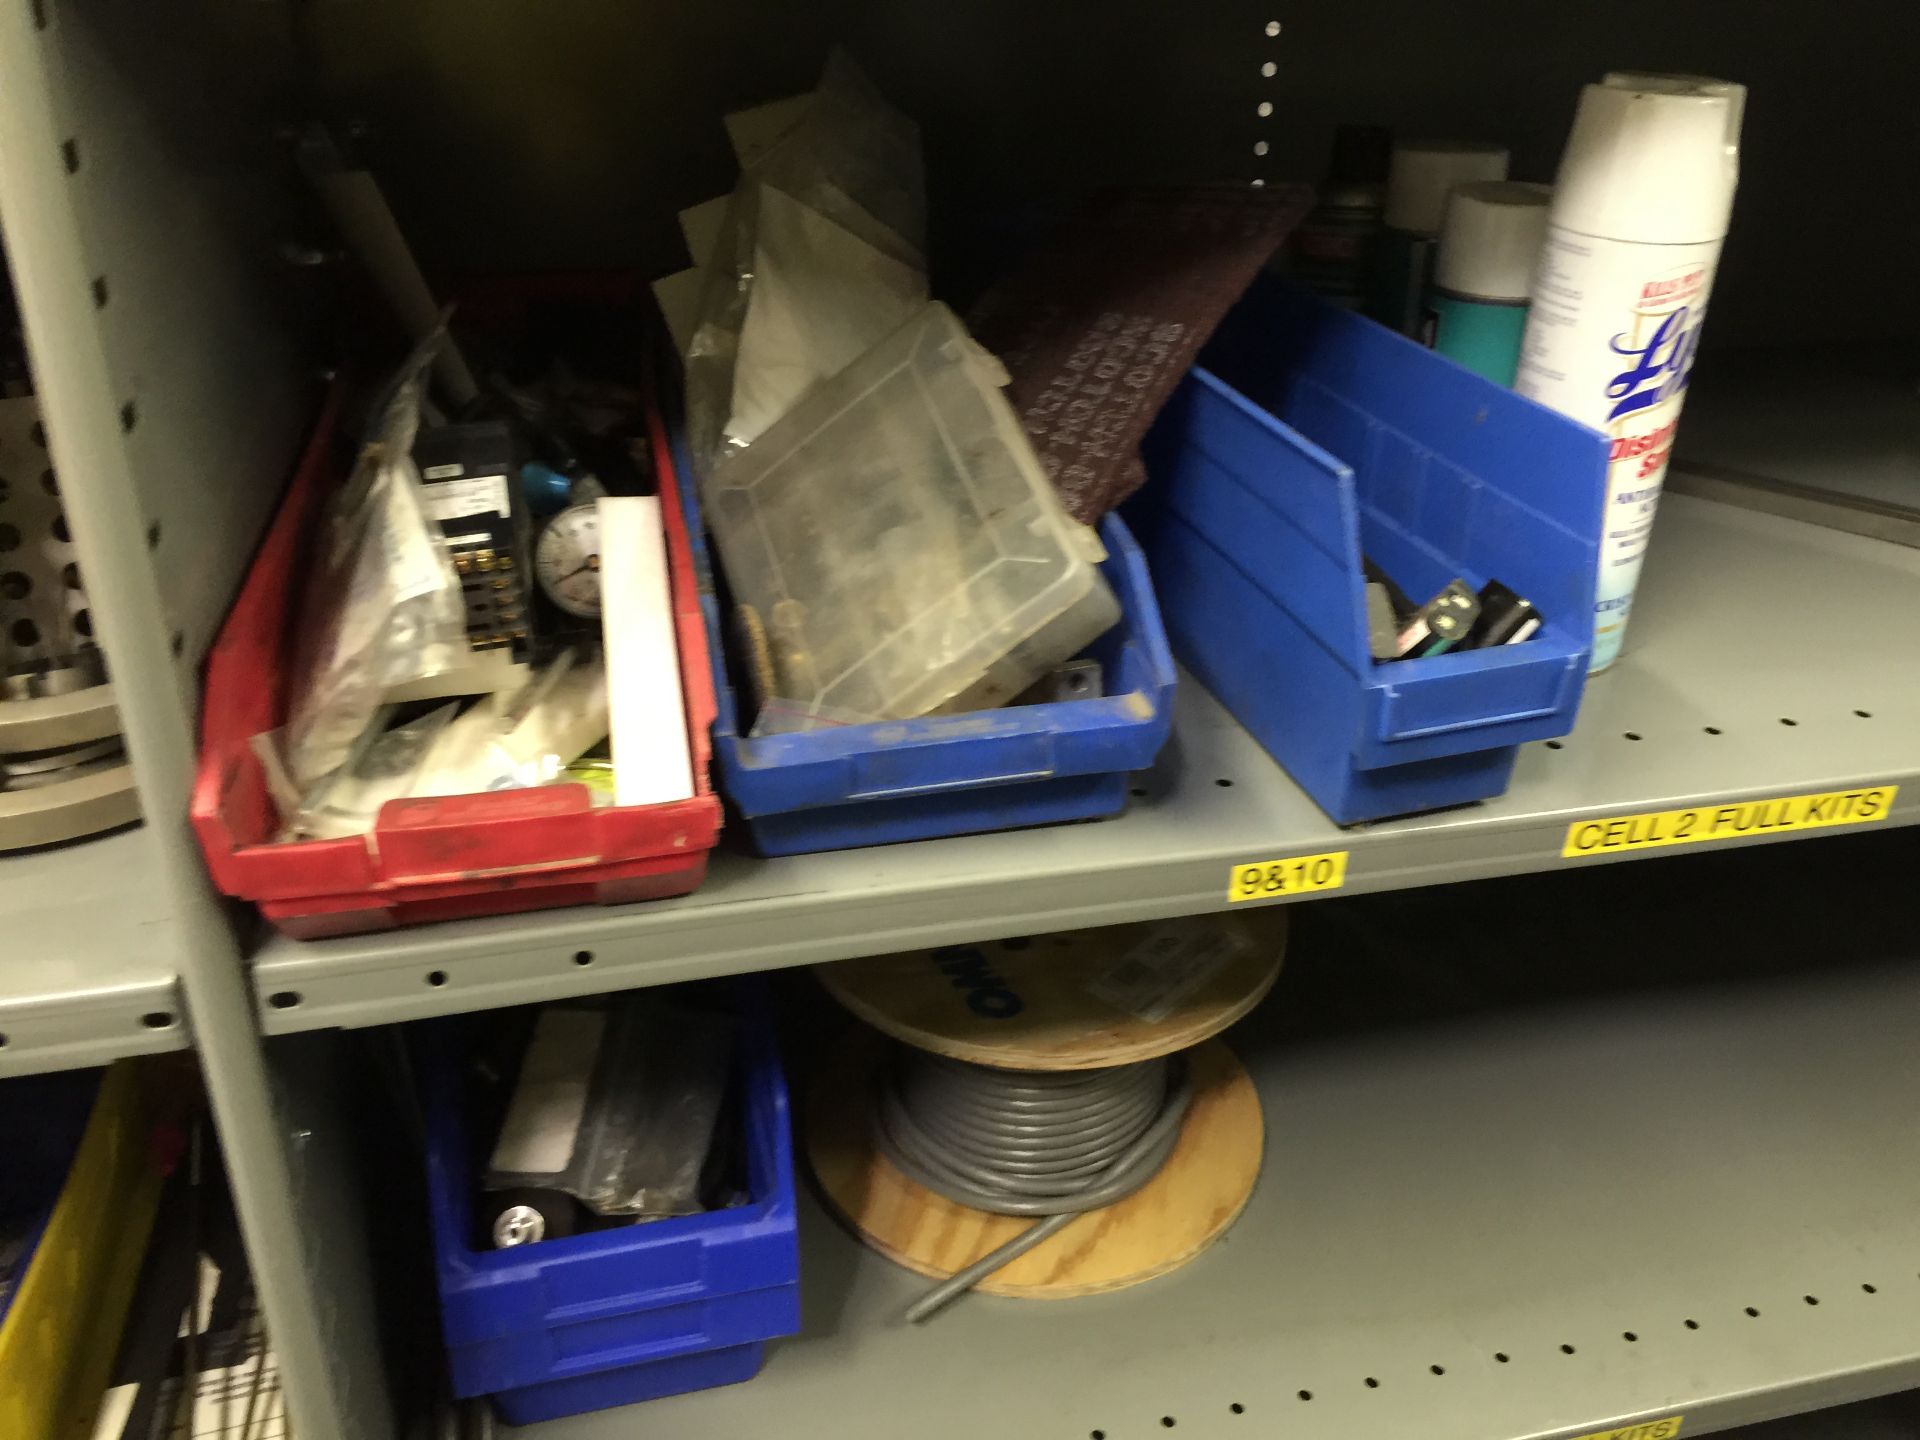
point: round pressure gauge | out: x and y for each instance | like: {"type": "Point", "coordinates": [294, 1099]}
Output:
{"type": "Point", "coordinates": [566, 561]}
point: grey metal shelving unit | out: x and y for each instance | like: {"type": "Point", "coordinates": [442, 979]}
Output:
{"type": "Point", "coordinates": [1543, 1224]}
{"type": "Point", "coordinates": [143, 211]}
{"type": "Point", "coordinates": [1432, 1199]}
{"type": "Point", "coordinates": [1689, 718]}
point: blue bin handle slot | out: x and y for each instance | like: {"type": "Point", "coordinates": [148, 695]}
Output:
{"type": "Point", "coordinates": [1422, 732]}
{"type": "Point", "coordinates": [1472, 691]}
{"type": "Point", "coordinates": [951, 752]}
{"type": "Point", "coordinates": [626, 1302]}
{"type": "Point", "coordinates": [620, 1356]}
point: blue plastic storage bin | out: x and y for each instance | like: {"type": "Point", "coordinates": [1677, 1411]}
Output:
{"type": "Point", "coordinates": [1310, 436]}
{"type": "Point", "coordinates": [951, 774]}
{"type": "Point", "coordinates": [615, 1316]}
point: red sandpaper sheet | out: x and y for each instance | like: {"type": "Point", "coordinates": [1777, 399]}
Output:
{"type": "Point", "coordinates": [1101, 322]}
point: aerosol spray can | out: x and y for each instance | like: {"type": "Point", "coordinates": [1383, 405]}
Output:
{"type": "Point", "coordinates": [1419, 179]}
{"type": "Point", "coordinates": [1331, 251]}
{"type": "Point", "coordinates": [1639, 211]}
{"type": "Point", "coordinates": [1483, 274]}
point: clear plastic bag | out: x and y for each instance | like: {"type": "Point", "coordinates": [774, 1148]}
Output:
{"type": "Point", "coordinates": [503, 742]}
{"type": "Point", "coordinates": [386, 766]}
{"type": "Point", "coordinates": [559, 715]}
{"type": "Point", "coordinates": [822, 254]}
{"type": "Point", "coordinates": [383, 605]}
{"type": "Point", "coordinates": [821, 298]}
{"type": "Point", "coordinates": [618, 1103]}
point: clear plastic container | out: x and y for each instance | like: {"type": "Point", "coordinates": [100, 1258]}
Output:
{"type": "Point", "coordinates": [894, 547]}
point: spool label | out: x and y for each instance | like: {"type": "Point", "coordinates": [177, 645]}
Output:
{"type": "Point", "coordinates": [1620, 833]}
{"type": "Point", "coordinates": [1277, 879]}
{"type": "Point", "coordinates": [1150, 980]}
{"type": "Point", "coordinates": [1645, 1430]}
{"type": "Point", "coordinates": [988, 995]}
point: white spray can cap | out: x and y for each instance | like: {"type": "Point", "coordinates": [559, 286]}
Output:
{"type": "Point", "coordinates": [1735, 92]}
{"type": "Point", "coordinates": [1653, 159]}
{"type": "Point", "coordinates": [1491, 238]}
{"type": "Point", "coordinates": [1424, 172]}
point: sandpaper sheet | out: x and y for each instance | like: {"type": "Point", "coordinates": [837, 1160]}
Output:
{"type": "Point", "coordinates": [1100, 323]}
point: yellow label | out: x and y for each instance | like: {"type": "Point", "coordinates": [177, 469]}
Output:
{"type": "Point", "coordinates": [1620, 833]}
{"type": "Point", "coordinates": [1299, 875]}
{"type": "Point", "coordinates": [1646, 1430]}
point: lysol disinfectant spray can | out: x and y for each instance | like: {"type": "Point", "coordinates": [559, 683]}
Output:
{"type": "Point", "coordinates": [1639, 211]}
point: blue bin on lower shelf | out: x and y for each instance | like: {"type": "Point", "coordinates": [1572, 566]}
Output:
{"type": "Point", "coordinates": [1309, 437]}
{"type": "Point", "coordinates": [611, 1317]}
{"type": "Point", "coordinates": [951, 774]}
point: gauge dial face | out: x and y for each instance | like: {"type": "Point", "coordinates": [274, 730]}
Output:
{"type": "Point", "coordinates": [566, 561]}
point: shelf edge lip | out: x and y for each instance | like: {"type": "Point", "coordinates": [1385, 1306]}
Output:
{"type": "Point", "coordinates": [56, 1031]}
{"type": "Point", "coordinates": [635, 947]}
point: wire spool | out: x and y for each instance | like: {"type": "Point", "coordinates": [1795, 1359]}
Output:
{"type": "Point", "coordinates": [1049, 1144]}
{"type": "Point", "coordinates": [1074, 1001]}
{"type": "Point", "coordinates": [1068, 1141]}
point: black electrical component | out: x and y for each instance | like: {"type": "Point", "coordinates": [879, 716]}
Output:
{"type": "Point", "coordinates": [1455, 619]}
{"type": "Point", "coordinates": [470, 475]}
{"type": "Point", "coordinates": [1506, 618]}
{"type": "Point", "coordinates": [1442, 623]}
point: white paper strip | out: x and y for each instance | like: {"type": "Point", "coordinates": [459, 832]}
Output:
{"type": "Point", "coordinates": [651, 763]}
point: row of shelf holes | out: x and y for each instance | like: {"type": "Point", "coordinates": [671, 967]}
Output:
{"type": "Point", "coordinates": [437, 978]}
{"type": "Point", "coordinates": [129, 412]}
{"type": "Point", "coordinates": [1373, 1383]}
{"type": "Point", "coordinates": [291, 999]}
{"type": "Point", "coordinates": [1225, 784]}
{"type": "Point", "coordinates": [1708, 729]}
{"type": "Point", "coordinates": [152, 1020]}
{"type": "Point", "coordinates": [1264, 109]}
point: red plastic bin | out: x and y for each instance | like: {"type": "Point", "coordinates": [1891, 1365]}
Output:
{"type": "Point", "coordinates": [434, 859]}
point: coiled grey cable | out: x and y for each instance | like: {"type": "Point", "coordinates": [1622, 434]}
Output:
{"type": "Point", "coordinates": [1052, 1144]}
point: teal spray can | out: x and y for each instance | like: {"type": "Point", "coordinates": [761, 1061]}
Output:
{"type": "Point", "coordinates": [1483, 275]}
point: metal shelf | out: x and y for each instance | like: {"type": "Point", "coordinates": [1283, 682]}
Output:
{"type": "Point", "coordinates": [1507, 1222]}
{"type": "Point", "coordinates": [1765, 660]}
{"type": "Point", "coordinates": [90, 955]}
